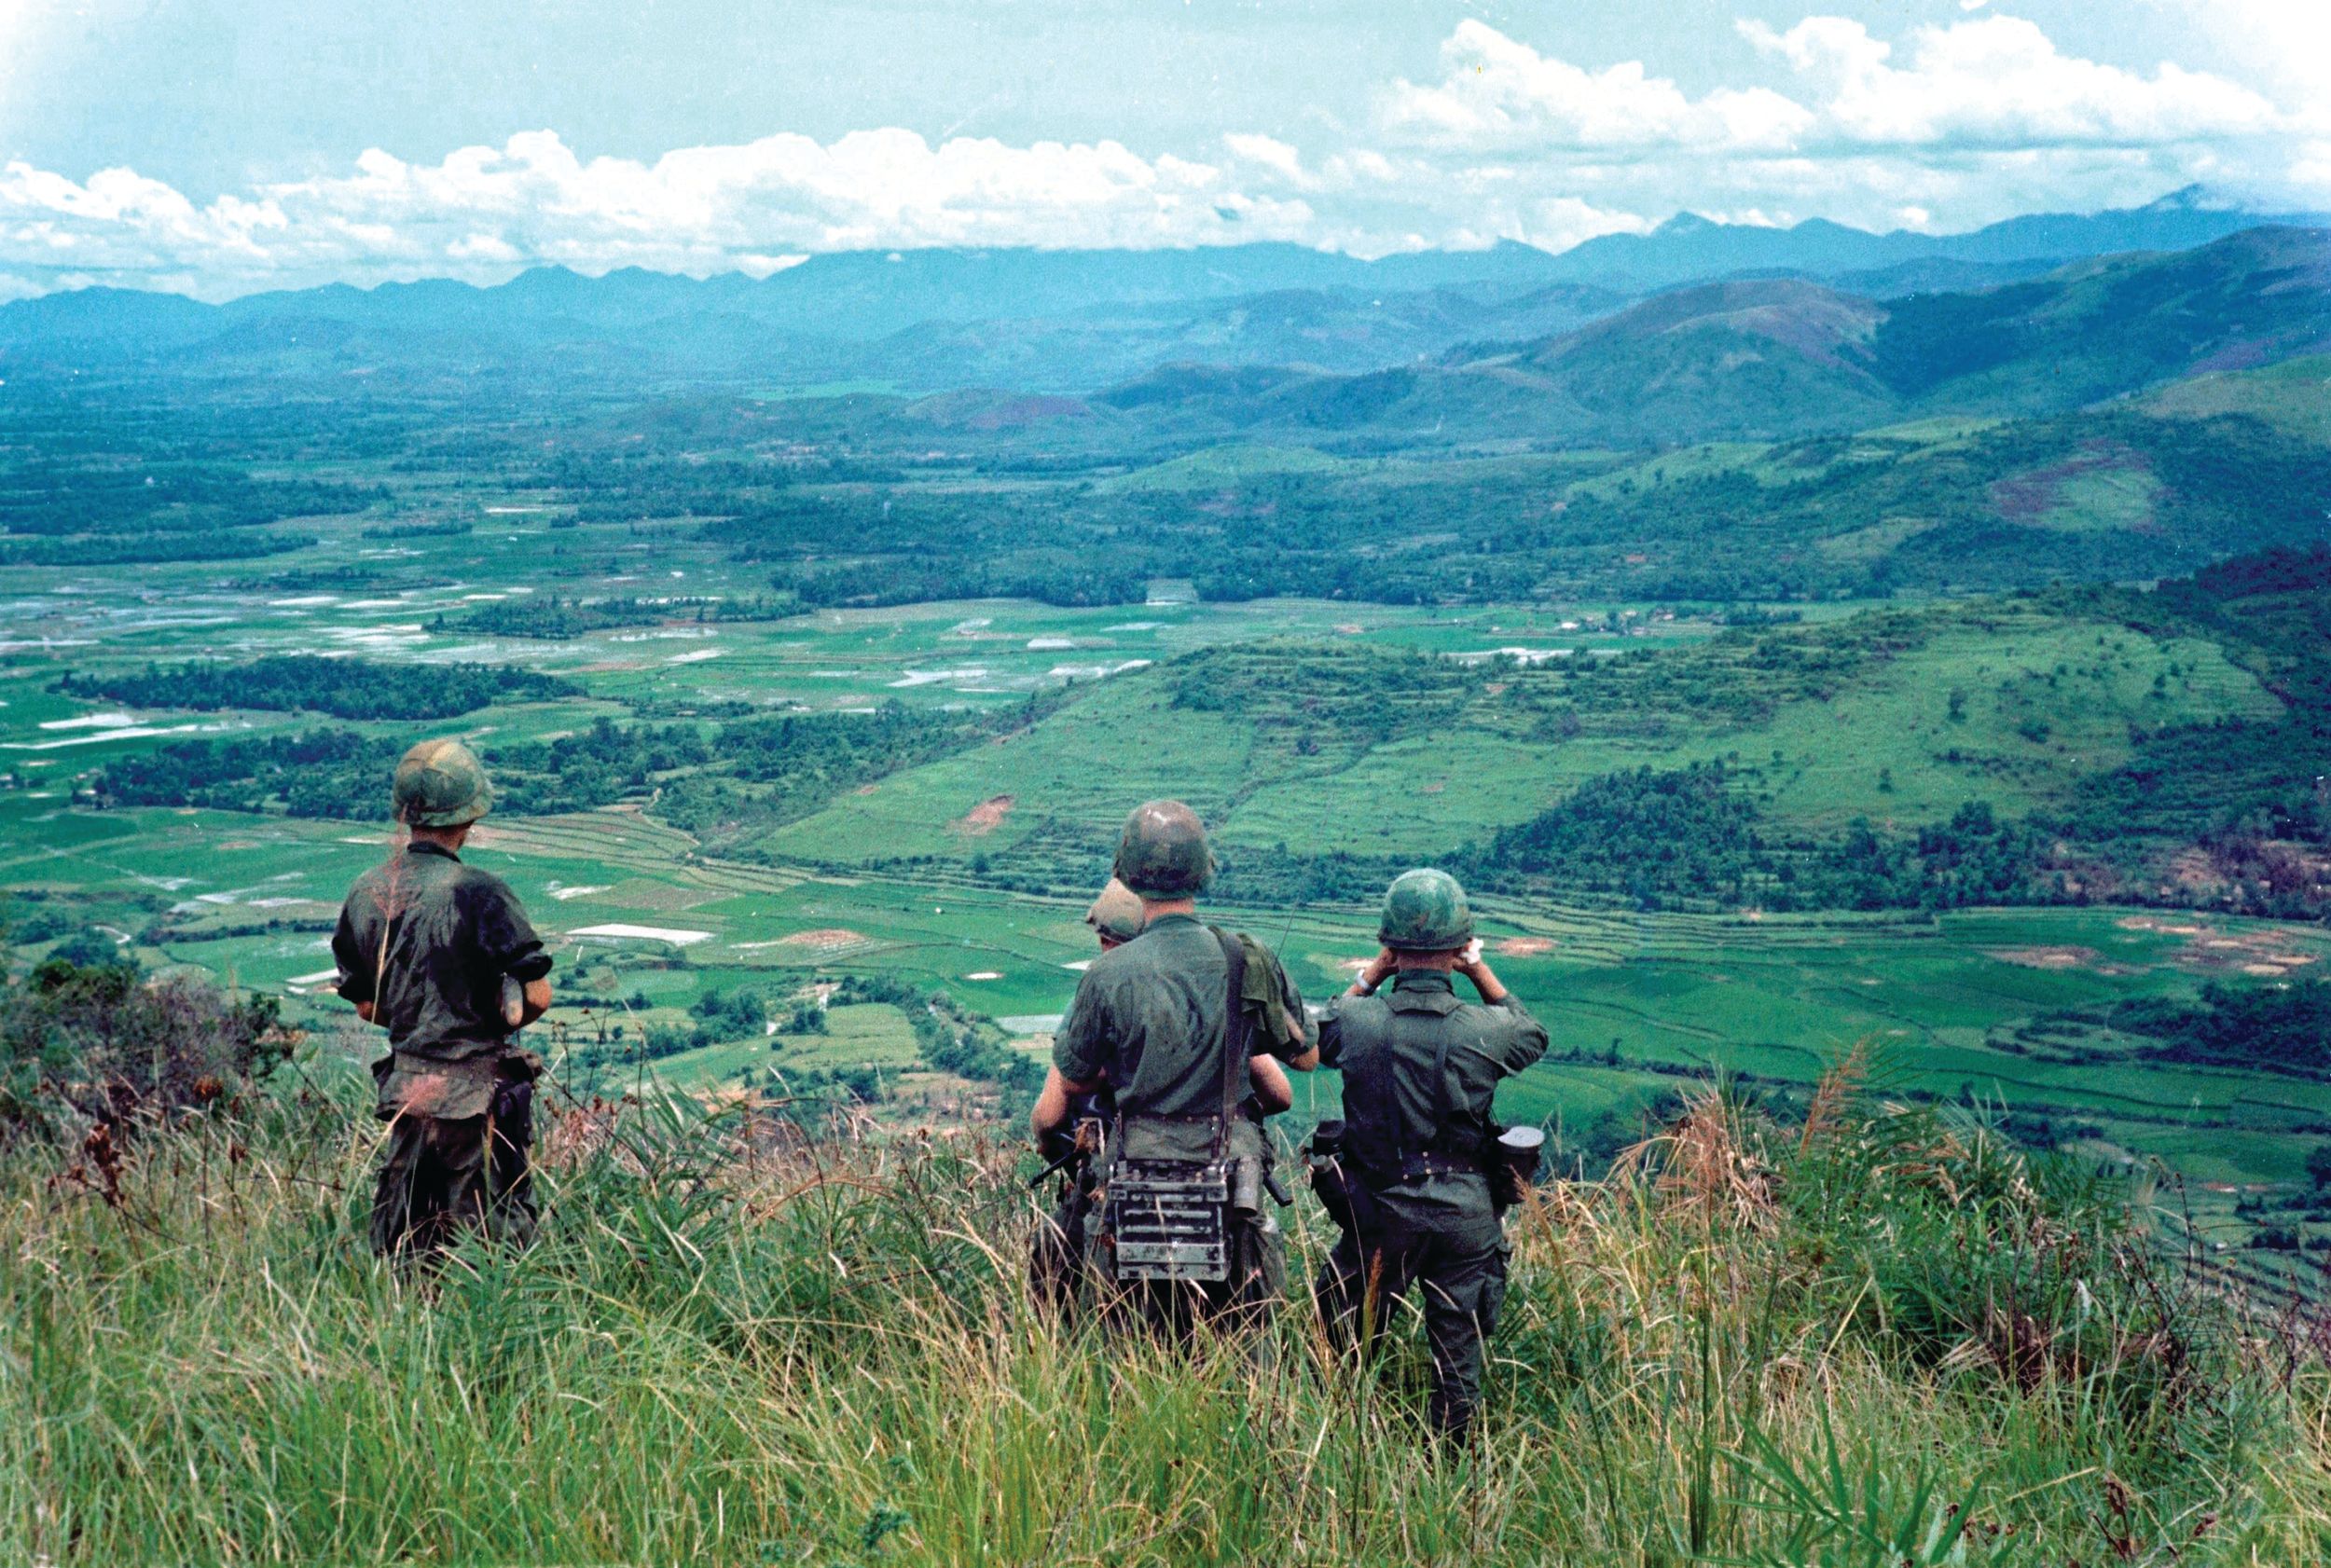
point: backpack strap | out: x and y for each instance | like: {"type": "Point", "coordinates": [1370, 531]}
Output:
{"type": "Point", "coordinates": [1237, 1036]}
{"type": "Point", "coordinates": [1439, 1092]}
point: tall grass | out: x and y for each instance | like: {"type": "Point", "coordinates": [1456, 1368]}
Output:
{"type": "Point", "coordinates": [1887, 1339]}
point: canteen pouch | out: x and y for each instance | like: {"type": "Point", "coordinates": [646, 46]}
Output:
{"type": "Point", "coordinates": [1245, 1185]}
{"type": "Point", "coordinates": [1513, 1165]}
{"type": "Point", "coordinates": [1330, 1176]}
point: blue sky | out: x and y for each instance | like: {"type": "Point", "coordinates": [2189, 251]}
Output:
{"type": "Point", "coordinates": [216, 146]}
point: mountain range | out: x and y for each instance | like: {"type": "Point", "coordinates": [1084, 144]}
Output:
{"type": "Point", "coordinates": [1762, 358]}
{"type": "Point", "coordinates": [1059, 320]}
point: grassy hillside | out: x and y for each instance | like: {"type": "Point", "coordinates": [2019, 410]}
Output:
{"type": "Point", "coordinates": [2294, 396]}
{"type": "Point", "coordinates": [1778, 357]}
{"type": "Point", "coordinates": [1873, 1337]}
{"type": "Point", "coordinates": [1895, 717]}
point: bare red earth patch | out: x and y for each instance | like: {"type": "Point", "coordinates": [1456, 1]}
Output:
{"type": "Point", "coordinates": [987, 816]}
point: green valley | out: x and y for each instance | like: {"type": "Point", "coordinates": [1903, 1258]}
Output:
{"type": "Point", "coordinates": [1883, 692]}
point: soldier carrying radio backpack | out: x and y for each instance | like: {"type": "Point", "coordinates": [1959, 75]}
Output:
{"type": "Point", "coordinates": [1417, 1172]}
{"type": "Point", "coordinates": [1169, 1022]}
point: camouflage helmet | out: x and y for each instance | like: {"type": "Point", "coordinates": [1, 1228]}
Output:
{"type": "Point", "coordinates": [1425, 912]}
{"type": "Point", "coordinates": [1163, 853]}
{"type": "Point", "coordinates": [439, 784]}
{"type": "Point", "coordinates": [1117, 915]}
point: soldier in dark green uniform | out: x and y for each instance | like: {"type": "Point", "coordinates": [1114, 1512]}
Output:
{"type": "Point", "coordinates": [440, 954]}
{"type": "Point", "coordinates": [1057, 1250]}
{"type": "Point", "coordinates": [1171, 1022]}
{"type": "Point", "coordinates": [1421, 1069]}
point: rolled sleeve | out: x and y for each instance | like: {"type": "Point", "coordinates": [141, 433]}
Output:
{"type": "Point", "coordinates": [1332, 1034]}
{"type": "Point", "coordinates": [505, 937]}
{"type": "Point", "coordinates": [1524, 1036]}
{"type": "Point", "coordinates": [355, 981]}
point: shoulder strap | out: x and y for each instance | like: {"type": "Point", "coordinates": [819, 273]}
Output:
{"type": "Point", "coordinates": [1237, 1036]}
{"type": "Point", "coordinates": [1441, 1085]}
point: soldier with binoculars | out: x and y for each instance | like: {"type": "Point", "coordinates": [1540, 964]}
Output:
{"type": "Point", "coordinates": [1417, 1172]}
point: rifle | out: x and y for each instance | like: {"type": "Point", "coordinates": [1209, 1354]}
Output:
{"type": "Point", "coordinates": [1070, 1139]}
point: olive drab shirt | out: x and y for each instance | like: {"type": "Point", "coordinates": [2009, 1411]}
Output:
{"type": "Point", "coordinates": [1386, 1046]}
{"type": "Point", "coordinates": [426, 940]}
{"type": "Point", "coordinates": [1149, 1016]}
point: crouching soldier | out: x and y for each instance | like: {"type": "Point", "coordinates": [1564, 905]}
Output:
{"type": "Point", "coordinates": [440, 953]}
{"type": "Point", "coordinates": [1415, 1177]}
{"type": "Point", "coordinates": [1180, 1025]}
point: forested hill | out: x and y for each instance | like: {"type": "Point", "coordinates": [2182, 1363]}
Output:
{"type": "Point", "coordinates": [1777, 357]}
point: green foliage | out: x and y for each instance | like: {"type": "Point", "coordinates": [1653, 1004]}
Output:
{"type": "Point", "coordinates": [2244, 790]}
{"type": "Point", "coordinates": [1653, 837]}
{"type": "Point", "coordinates": [320, 773]}
{"type": "Point", "coordinates": [2257, 1028]}
{"type": "Point", "coordinates": [63, 511]}
{"type": "Point", "coordinates": [1693, 836]}
{"type": "Point", "coordinates": [83, 1040]}
{"type": "Point", "coordinates": [780, 770]}
{"type": "Point", "coordinates": [344, 688]}
{"type": "Point", "coordinates": [2319, 1166]}
{"type": "Point", "coordinates": [953, 1039]}
{"type": "Point", "coordinates": [552, 618]}
{"type": "Point", "coordinates": [732, 1345]}
{"type": "Point", "coordinates": [342, 773]}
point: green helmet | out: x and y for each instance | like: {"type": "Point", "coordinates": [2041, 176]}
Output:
{"type": "Point", "coordinates": [1163, 853]}
{"type": "Point", "coordinates": [439, 784]}
{"type": "Point", "coordinates": [1425, 912]}
{"type": "Point", "coordinates": [1117, 915]}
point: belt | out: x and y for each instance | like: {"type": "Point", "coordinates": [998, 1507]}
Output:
{"type": "Point", "coordinates": [1416, 1167]}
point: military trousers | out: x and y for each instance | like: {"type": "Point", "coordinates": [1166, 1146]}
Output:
{"type": "Point", "coordinates": [1242, 1304]}
{"type": "Point", "coordinates": [441, 1175]}
{"type": "Point", "coordinates": [1457, 1263]}
{"type": "Point", "coordinates": [1057, 1253]}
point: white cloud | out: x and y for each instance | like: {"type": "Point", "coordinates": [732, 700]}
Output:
{"type": "Point", "coordinates": [1271, 153]}
{"type": "Point", "coordinates": [1945, 126]}
{"type": "Point", "coordinates": [1980, 81]}
{"type": "Point", "coordinates": [2286, 43]}
{"type": "Point", "coordinates": [1495, 92]}
{"type": "Point", "coordinates": [483, 211]}
{"type": "Point", "coordinates": [1998, 81]}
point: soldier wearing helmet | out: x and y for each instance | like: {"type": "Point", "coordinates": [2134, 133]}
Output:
{"type": "Point", "coordinates": [1115, 915]}
{"type": "Point", "coordinates": [1057, 1250]}
{"type": "Point", "coordinates": [1187, 1027]}
{"type": "Point", "coordinates": [1415, 1173]}
{"type": "Point", "coordinates": [440, 954]}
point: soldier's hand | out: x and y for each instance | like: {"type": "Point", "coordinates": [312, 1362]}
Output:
{"type": "Point", "coordinates": [1468, 959]}
{"type": "Point", "coordinates": [1374, 974]}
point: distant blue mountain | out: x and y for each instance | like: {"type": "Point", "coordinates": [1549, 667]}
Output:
{"type": "Point", "coordinates": [1689, 248]}
{"type": "Point", "coordinates": [929, 320]}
